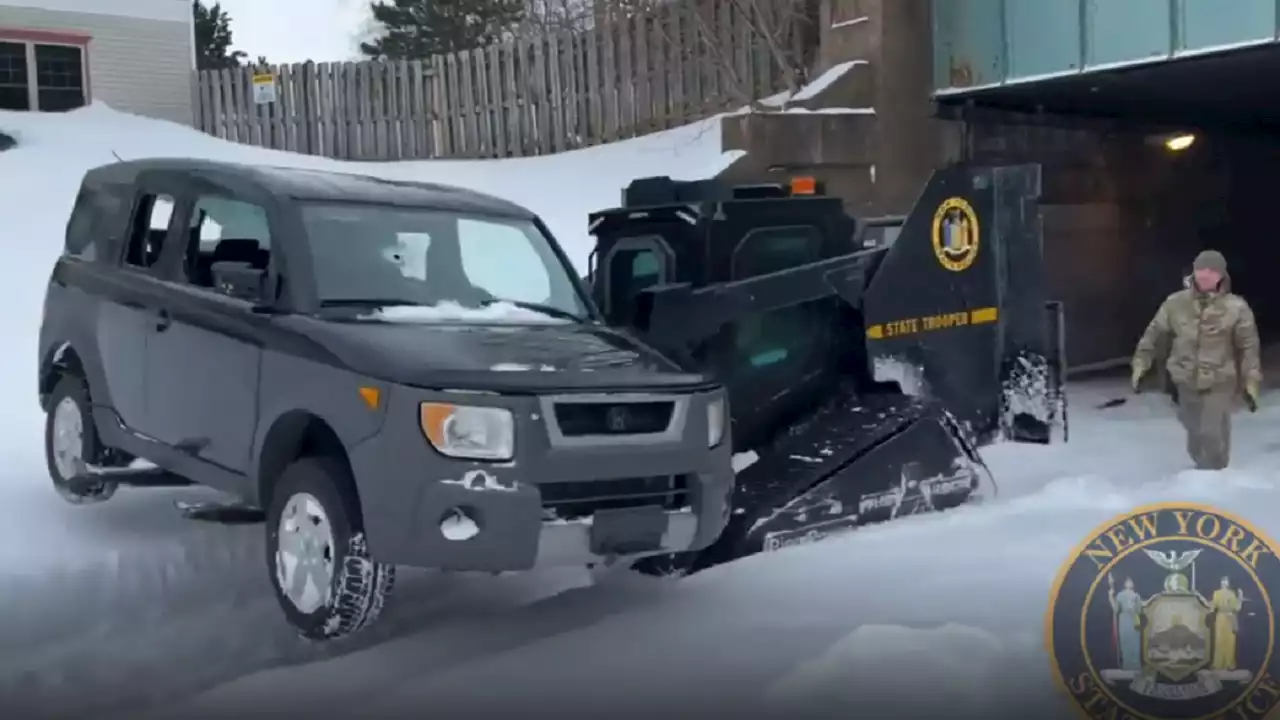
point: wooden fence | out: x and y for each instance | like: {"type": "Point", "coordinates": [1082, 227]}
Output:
{"type": "Point", "coordinates": [525, 97]}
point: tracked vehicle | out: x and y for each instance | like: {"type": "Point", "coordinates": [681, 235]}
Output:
{"type": "Point", "coordinates": [865, 360]}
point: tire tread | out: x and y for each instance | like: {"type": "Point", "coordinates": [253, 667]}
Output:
{"type": "Point", "coordinates": [363, 586]}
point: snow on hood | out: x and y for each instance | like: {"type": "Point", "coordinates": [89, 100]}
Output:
{"type": "Point", "coordinates": [452, 311]}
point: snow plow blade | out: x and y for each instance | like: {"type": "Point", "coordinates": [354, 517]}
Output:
{"type": "Point", "coordinates": [865, 360]}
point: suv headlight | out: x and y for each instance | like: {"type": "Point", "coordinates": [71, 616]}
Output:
{"type": "Point", "coordinates": [715, 421]}
{"type": "Point", "coordinates": [466, 431]}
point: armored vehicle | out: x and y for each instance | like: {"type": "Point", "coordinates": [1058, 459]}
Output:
{"type": "Point", "coordinates": [865, 360]}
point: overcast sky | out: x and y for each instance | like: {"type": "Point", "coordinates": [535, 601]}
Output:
{"type": "Point", "coordinates": [289, 31]}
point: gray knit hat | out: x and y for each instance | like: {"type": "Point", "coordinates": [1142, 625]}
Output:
{"type": "Point", "coordinates": [1210, 260]}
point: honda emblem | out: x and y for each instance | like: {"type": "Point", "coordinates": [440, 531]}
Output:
{"type": "Point", "coordinates": [618, 420]}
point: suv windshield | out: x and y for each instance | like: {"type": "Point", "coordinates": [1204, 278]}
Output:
{"type": "Point", "coordinates": [373, 255]}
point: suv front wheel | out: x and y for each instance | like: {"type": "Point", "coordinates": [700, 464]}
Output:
{"type": "Point", "coordinates": [71, 442]}
{"type": "Point", "coordinates": [316, 554]}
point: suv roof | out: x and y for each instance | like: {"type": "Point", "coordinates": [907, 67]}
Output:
{"type": "Point", "coordinates": [321, 185]}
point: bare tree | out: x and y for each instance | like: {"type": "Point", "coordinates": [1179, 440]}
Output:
{"type": "Point", "coordinates": [546, 17]}
{"type": "Point", "coordinates": [783, 31]}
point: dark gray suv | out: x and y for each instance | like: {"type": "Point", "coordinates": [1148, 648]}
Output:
{"type": "Point", "coordinates": [388, 373]}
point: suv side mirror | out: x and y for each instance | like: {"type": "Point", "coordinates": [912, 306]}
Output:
{"type": "Point", "coordinates": [241, 281]}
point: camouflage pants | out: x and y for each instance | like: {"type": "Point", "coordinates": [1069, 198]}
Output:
{"type": "Point", "coordinates": [1206, 416]}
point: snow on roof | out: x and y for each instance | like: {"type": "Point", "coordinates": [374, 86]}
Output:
{"type": "Point", "coordinates": [823, 81]}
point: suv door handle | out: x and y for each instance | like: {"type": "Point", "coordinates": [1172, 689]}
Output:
{"type": "Point", "coordinates": [163, 320]}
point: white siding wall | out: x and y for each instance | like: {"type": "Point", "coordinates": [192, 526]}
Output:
{"type": "Point", "coordinates": [137, 65]}
{"type": "Point", "coordinates": [172, 10]}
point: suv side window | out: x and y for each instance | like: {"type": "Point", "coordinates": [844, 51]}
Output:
{"type": "Point", "coordinates": [150, 226]}
{"type": "Point", "coordinates": [84, 220]}
{"type": "Point", "coordinates": [225, 230]}
{"type": "Point", "coordinates": [94, 210]}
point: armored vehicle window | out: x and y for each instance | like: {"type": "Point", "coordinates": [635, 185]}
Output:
{"type": "Point", "coordinates": [424, 257]}
{"type": "Point", "coordinates": [789, 334]}
{"type": "Point", "coordinates": [631, 270]}
{"type": "Point", "coordinates": [224, 230]}
{"type": "Point", "coordinates": [150, 225]}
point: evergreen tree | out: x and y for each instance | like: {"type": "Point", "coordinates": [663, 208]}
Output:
{"type": "Point", "coordinates": [213, 37]}
{"type": "Point", "coordinates": [417, 29]}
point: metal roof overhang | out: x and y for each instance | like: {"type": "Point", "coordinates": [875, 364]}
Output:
{"type": "Point", "coordinates": [1236, 89]}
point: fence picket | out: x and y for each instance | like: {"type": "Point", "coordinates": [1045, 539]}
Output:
{"type": "Point", "coordinates": [626, 75]}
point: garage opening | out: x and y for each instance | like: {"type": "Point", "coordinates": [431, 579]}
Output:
{"type": "Point", "coordinates": [1142, 168]}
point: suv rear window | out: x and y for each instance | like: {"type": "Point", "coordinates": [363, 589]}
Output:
{"type": "Point", "coordinates": [85, 218]}
{"type": "Point", "coordinates": [96, 208]}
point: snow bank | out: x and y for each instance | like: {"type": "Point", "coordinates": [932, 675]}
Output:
{"type": "Point", "coordinates": [562, 188]}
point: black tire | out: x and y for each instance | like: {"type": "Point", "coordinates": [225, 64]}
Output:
{"type": "Point", "coordinates": [674, 565]}
{"type": "Point", "coordinates": [71, 394]}
{"type": "Point", "coordinates": [358, 588]}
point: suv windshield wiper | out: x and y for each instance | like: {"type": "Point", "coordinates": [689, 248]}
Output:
{"type": "Point", "coordinates": [366, 302]}
{"type": "Point", "coordinates": [551, 310]}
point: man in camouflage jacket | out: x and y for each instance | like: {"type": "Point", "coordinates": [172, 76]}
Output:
{"type": "Point", "coordinates": [1213, 354]}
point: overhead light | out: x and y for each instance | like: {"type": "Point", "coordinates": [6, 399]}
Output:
{"type": "Point", "coordinates": [1177, 143]}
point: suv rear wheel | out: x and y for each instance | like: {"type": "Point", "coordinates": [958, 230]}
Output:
{"type": "Point", "coordinates": [71, 442]}
{"type": "Point", "coordinates": [319, 564]}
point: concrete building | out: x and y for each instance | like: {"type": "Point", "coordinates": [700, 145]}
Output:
{"type": "Point", "coordinates": [134, 55]}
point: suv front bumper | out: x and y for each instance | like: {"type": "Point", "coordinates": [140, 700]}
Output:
{"type": "Point", "coordinates": [560, 501]}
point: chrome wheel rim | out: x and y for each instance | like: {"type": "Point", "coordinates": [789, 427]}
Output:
{"type": "Point", "coordinates": [305, 551]}
{"type": "Point", "coordinates": [68, 439]}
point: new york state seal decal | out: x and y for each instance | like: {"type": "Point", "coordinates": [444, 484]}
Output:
{"type": "Point", "coordinates": [1166, 612]}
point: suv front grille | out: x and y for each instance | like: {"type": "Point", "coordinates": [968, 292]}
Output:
{"type": "Point", "coordinates": [577, 419]}
{"type": "Point", "coordinates": [579, 499]}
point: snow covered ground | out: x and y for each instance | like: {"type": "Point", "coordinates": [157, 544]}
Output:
{"type": "Point", "coordinates": [903, 618]}
{"type": "Point", "coordinates": [123, 607]}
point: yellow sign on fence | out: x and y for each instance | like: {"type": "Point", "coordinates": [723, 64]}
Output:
{"type": "Point", "coordinates": [264, 88]}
